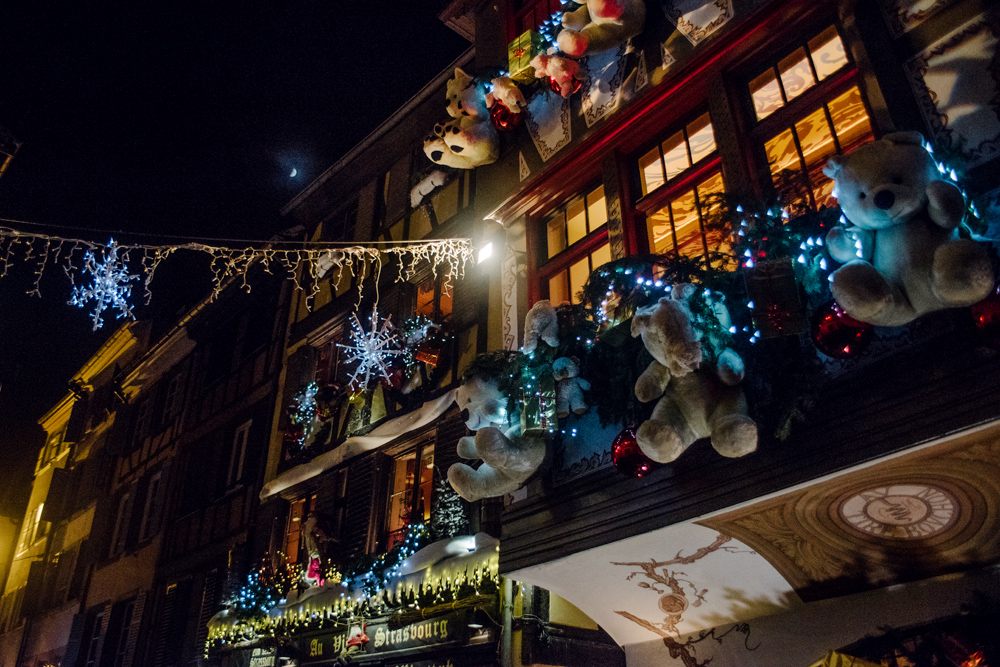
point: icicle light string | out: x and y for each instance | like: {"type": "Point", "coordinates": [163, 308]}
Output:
{"type": "Point", "coordinates": [447, 258]}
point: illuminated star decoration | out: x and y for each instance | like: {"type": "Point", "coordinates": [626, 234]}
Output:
{"type": "Point", "coordinates": [371, 349]}
{"type": "Point", "coordinates": [110, 285]}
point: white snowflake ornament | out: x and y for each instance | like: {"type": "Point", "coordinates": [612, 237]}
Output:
{"type": "Point", "coordinates": [370, 350]}
{"type": "Point", "coordinates": [109, 287]}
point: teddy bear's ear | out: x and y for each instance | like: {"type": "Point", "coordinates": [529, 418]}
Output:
{"type": "Point", "coordinates": [833, 166]}
{"type": "Point", "coordinates": [907, 138]}
{"type": "Point", "coordinates": [639, 324]}
{"type": "Point", "coordinates": [575, 360]}
{"type": "Point", "coordinates": [461, 77]}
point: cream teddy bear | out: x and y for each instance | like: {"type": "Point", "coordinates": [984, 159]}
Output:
{"type": "Point", "coordinates": [904, 257]}
{"type": "Point", "coordinates": [695, 401]}
{"type": "Point", "coordinates": [561, 72]}
{"type": "Point", "coordinates": [541, 323]}
{"type": "Point", "coordinates": [569, 387]}
{"type": "Point", "coordinates": [470, 140]}
{"type": "Point", "coordinates": [599, 25]}
{"type": "Point", "coordinates": [508, 459]}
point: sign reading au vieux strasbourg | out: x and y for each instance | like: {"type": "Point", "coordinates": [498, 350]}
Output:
{"type": "Point", "coordinates": [443, 662]}
{"type": "Point", "coordinates": [439, 630]}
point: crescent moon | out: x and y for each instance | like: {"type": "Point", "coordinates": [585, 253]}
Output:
{"type": "Point", "coordinates": [294, 172]}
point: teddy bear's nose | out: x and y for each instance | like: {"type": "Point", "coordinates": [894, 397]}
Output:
{"type": "Point", "coordinates": [465, 415]}
{"type": "Point", "coordinates": [885, 199]}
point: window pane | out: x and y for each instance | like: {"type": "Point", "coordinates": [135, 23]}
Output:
{"type": "Point", "coordinates": [576, 221]}
{"type": "Point", "coordinates": [652, 171]}
{"type": "Point", "coordinates": [597, 210]}
{"type": "Point", "coordinates": [445, 301]}
{"type": "Point", "coordinates": [556, 234]}
{"type": "Point", "coordinates": [402, 488]}
{"type": "Point", "coordinates": [701, 138]}
{"type": "Point", "coordinates": [686, 225]}
{"type": "Point", "coordinates": [850, 120]}
{"type": "Point", "coordinates": [766, 94]}
{"type": "Point", "coordinates": [708, 191]}
{"type": "Point", "coordinates": [425, 298]}
{"type": "Point", "coordinates": [822, 189]}
{"type": "Point", "coordinates": [446, 202]}
{"type": "Point", "coordinates": [827, 52]}
{"type": "Point", "coordinates": [426, 484]}
{"type": "Point", "coordinates": [796, 75]}
{"type": "Point", "coordinates": [558, 288]}
{"type": "Point", "coordinates": [815, 138]}
{"type": "Point", "coordinates": [675, 155]}
{"type": "Point", "coordinates": [781, 154]}
{"type": "Point", "coordinates": [661, 239]}
{"type": "Point", "coordinates": [600, 257]}
{"type": "Point", "coordinates": [578, 274]}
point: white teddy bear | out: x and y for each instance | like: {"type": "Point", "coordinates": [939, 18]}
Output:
{"type": "Point", "coordinates": [694, 401]}
{"type": "Point", "coordinates": [904, 255]}
{"type": "Point", "coordinates": [470, 140]}
{"type": "Point", "coordinates": [508, 459]}
{"type": "Point", "coordinates": [542, 323]}
{"type": "Point", "coordinates": [563, 73]}
{"type": "Point", "coordinates": [569, 387]}
{"type": "Point", "coordinates": [599, 25]}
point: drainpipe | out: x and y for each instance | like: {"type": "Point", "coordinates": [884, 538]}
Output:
{"type": "Point", "coordinates": [507, 636]}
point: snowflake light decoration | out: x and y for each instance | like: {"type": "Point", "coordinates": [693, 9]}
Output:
{"type": "Point", "coordinates": [370, 350]}
{"type": "Point", "coordinates": [110, 285]}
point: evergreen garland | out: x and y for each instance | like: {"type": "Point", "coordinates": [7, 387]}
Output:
{"type": "Point", "coordinates": [448, 518]}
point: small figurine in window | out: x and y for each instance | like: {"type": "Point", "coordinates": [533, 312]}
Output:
{"type": "Point", "coordinates": [313, 536]}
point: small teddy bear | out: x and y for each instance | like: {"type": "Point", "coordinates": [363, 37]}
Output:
{"type": "Point", "coordinates": [508, 459]}
{"type": "Point", "coordinates": [562, 72]}
{"type": "Point", "coordinates": [599, 25]}
{"type": "Point", "coordinates": [904, 257]}
{"type": "Point", "coordinates": [470, 140]}
{"type": "Point", "coordinates": [541, 322]}
{"type": "Point", "coordinates": [695, 401]}
{"type": "Point", "coordinates": [569, 387]}
{"type": "Point", "coordinates": [507, 93]}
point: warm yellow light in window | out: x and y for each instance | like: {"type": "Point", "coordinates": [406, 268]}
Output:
{"type": "Point", "coordinates": [578, 273]}
{"type": "Point", "coordinates": [796, 74]}
{"type": "Point", "coordinates": [652, 171]}
{"type": "Point", "coordinates": [701, 138]}
{"type": "Point", "coordinates": [850, 120]}
{"type": "Point", "coordinates": [556, 234]}
{"type": "Point", "coordinates": [675, 155]}
{"type": "Point", "coordinates": [815, 138]}
{"type": "Point", "coordinates": [766, 94]}
{"type": "Point", "coordinates": [576, 221]}
{"type": "Point", "coordinates": [827, 51]}
{"type": "Point", "coordinates": [558, 288]}
{"type": "Point", "coordinates": [597, 209]}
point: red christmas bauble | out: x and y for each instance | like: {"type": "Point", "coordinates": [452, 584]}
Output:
{"type": "Point", "coordinates": [554, 85]}
{"type": "Point", "coordinates": [295, 435]}
{"type": "Point", "coordinates": [627, 456]}
{"type": "Point", "coordinates": [502, 117]}
{"type": "Point", "coordinates": [986, 317]}
{"type": "Point", "coordinates": [837, 334]}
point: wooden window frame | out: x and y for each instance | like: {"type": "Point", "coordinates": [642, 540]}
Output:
{"type": "Point", "coordinates": [418, 449]}
{"type": "Point", "coordinates": [514, 15]}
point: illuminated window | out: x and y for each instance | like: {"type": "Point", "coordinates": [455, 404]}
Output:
{"type": "Point", "coordinates": [410, 492]}
{"type": "Point", "coordinates": [807, 116]}
{"type": "Point", "coordinates": [293, 534]}
{"type": "Point", "coordinates": [797, 72]}
{"type": "Point", "coordinates": [679, 225]}
{"type": "Point", "coordinates": [574, 244]}
{"type": "Point", "coordinates": [681, 150]}
{"type": "Point", "coordinates": [433, 301]}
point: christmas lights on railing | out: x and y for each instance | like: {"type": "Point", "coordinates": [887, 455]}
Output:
{"type": "Point", "coordinates": [108, 266]}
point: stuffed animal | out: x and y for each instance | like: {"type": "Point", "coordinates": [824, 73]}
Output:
{"type": "Point", "coordinates": [694, 400]}
{"type": "Point", "coordinates": [561, 72]}
{"type": "Point", "coordinates": [507, 93]}
{"type": "Point", "coordinates": [569, 387]}
{"type": "Point", "coordinates": [541, 322]}
{"type": "Point", "coordinates": [470, 140]}
{"type": "Point", "coordinates": [903, 255]}
{"type": "Point", "coordinates": [599, 25]}
{"type": "Point", "coordinates": [508, 459]}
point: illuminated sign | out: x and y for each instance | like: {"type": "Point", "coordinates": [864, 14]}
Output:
{"type": "Point", "coordinates": [440, 630]}
{"type": "Point", "coordinates": [321, 647]}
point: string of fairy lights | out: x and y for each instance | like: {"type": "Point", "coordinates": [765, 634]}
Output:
{"type": "Point", "coordinates": [103, 276]}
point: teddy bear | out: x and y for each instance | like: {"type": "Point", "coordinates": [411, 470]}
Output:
{"type": "Point", "coordinates": [541, 322]}
{"type": "Point", "coordinates": [470, 140]}
{"type": "Point", "coordinates": [569, 387]}
{"type": "Point", "coordinates": [903, 255]}
{"type": "Point", "coordinates": [695, 400]}
{"type": "Point", "coordinates": [508, 459]}
{"type": "Point", "coordinates": [561, 72]}
{"type": "Point", "coordinates": [504, 90]}
{"type": "Point", "coordinates": [599, 25]}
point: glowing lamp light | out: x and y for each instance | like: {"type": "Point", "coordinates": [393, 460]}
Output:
{"type": "Point", "coordinates": [485, 252]}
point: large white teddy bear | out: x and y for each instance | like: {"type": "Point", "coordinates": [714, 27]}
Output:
{"type": "Point", "coordinates": [508, 459]}
{"type": "Point", "coordinates": [695, 400]}
{"type": "Point", "coordinates": [904, 257]}
{"type": "Point", "coordinates": [599, 25]}
{"type": "Point", "coordinates": [470, 140]}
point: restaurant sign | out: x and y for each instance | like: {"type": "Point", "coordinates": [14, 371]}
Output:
{"type": "Point", "coordinates": [440, 630]}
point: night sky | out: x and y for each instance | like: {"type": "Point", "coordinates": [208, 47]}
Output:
{"type": "Point", "coordinates": [174, 119]}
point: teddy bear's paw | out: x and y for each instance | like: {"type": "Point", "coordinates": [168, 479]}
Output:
{"type": "Point", "coordinates": [580, 411]}
{"type": "Point", "coordinates": [608, 10]}
{"type": "Point", "coordinates": [660, 441]}
{"type": "Point", "coordinates": [734, 436]}
{"type": "Point", "coordinates": [572, 42]}
{"type": "Point", "coordinates": [467, 447]}
{"type": "Point", "coordinates": [730, 367]}
{"type": "Point", "coordinates": [465, 481]}
{"type": "Point", "coordinates": [861, 290]}
{"type": "Point", "coordinates": [962, 273]}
